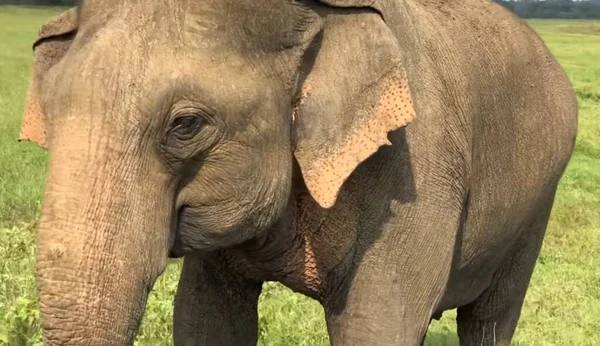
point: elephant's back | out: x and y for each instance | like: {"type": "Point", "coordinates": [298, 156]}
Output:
{"type": "Point", "coordinates": [506, 94]}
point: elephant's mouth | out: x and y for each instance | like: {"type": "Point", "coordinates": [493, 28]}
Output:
{"type": "Point", "coordinates": [177, 249]}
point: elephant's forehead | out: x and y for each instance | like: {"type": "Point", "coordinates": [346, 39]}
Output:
{"type": "Point", "coordinates": [105, 73]}
{"type": "Point", "coordinates": [147, 56]}
{"type": "Point", "coordinates": [235, 24]}
{"type": "Point", "coordinates": [225, 76]}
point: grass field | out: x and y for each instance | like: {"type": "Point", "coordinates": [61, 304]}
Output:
{"type": "Point", "coordinates": [563, 303]}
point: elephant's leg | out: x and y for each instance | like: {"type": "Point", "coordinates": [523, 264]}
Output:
{"type": "Point", "coordinates": [389, 293]}
{"type": "Point", "coordinates": [380, 315]}
{"type": "Point", "coordinates": [493, 317]}
{"type": "Point", "coordinates": [213, 307]}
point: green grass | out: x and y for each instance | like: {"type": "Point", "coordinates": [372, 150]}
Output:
{"type": "Point", "coordinates": [563, 303]}
{"type": "Point", "coordinates": [22, 166]}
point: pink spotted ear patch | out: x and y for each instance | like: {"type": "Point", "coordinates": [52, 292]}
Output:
{"type": "Point", "coordinates": [33, 128]}
{"type": "Point", "coordinates": [392, 110]}
{"type": "Point", "coordinates": [53, 41]}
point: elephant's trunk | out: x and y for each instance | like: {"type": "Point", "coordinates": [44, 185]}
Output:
{"type": "Point", "coordinates": [103, 241]}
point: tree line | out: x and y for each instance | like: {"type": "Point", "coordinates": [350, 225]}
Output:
{"type": "Point", "coordinates": [567, 9]}
{"type": "Point", "coordinates": [39, 2]}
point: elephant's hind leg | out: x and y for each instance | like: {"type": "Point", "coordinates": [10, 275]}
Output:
{"type": "Point", "coordinates": [492, 318]}
{"type": "Point", "coordinates": [214, 307]}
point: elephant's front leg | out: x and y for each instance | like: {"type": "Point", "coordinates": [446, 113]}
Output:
{"type": "Point", "coordinates": [214, 307]}
{"type": "Point", "coordinates": [389, 292]}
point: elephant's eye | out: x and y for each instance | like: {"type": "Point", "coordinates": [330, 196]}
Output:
{"type": "Point", "coordinates": [187, 126]}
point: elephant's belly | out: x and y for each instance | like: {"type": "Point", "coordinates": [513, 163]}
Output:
{"type": "Point", "coordinates": [465, 286]}
{"type": "Point", "coordinates": [484, 248]}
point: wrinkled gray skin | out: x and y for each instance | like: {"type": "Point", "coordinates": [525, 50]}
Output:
{"type": "Point", "coordinates": [450, 215]}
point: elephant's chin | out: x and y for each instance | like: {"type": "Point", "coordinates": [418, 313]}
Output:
{"type": "Point", "coordinates": [191, 235]}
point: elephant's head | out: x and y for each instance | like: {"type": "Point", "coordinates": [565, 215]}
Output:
{"type": "Point", "coordinates": [173, 126]}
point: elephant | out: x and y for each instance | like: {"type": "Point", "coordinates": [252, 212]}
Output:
{"type": "Point", "coordinates": [390, 159]}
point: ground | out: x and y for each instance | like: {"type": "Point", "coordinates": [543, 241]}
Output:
{"type": "Point", "coordinates": [562, 306]}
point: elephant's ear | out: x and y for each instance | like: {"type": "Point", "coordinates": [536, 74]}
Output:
{"type": "Point", "coordinates": [53, 41]}
{"type": "Point", "coordinates": [355, 92]}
